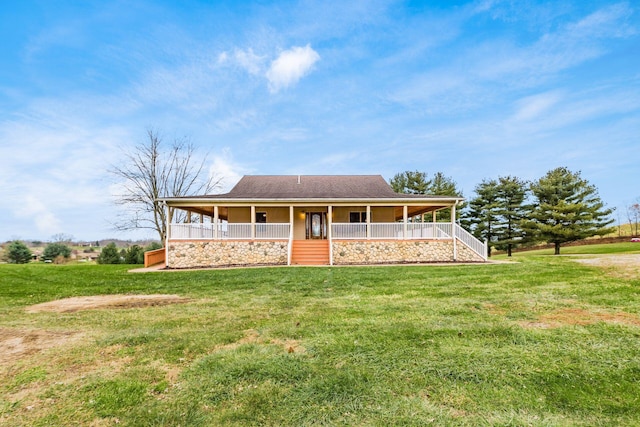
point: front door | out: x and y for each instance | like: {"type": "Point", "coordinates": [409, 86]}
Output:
{"type": "Point", "coordinates": [316, 225]}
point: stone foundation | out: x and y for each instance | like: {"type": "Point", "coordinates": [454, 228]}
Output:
{"type": "Point", "coordinates": [196, 253]}
{"type": "Point", "coordinates": [347, 252]}
{"type": "Point", "coordinates": [224, 253]}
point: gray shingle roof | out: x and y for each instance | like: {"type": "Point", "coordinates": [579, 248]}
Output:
{"type": "Point", "coordinates": [291, 187]}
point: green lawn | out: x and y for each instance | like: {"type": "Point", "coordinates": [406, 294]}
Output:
{"type": "Point", "coordinates": [601, 249]}
{"type": "Point", "coordinates": [545, 341]}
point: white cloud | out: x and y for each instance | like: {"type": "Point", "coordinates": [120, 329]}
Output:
{"type": "Point", "coordinates": [249, 61]}
{"type": "Point", "coordinates": [536, 105]}
{"type": "Point", "coordinates": [45, 221]}
{"type": "Point", "coordinates": [290, 66]}
{"type": "Point", "coordinates": [227, 170]}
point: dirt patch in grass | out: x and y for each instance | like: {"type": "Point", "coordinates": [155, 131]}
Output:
{"type": "Point", "coordinates": [70, 305]}
{"type": "Point", "coordinates": [625, 266]}
{"type": "Point", "coordinates": [581, 317]}
{"type": "Point", "coordinates": [18, 343]}
{"type": "Point", "coordinates": [253, 337]}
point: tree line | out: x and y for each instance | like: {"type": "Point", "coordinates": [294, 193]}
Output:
{"type": "Point", "coordinates": [508, 212]}
{"type": "Point", "coordinates": [59, 253]}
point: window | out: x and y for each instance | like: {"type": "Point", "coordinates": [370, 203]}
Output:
{"type": "Point", "coordinates": [357, 217]}
{"type": "Point", "coordinates": [261, 217]}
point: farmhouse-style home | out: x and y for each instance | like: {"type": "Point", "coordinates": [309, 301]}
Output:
{"type": "Point", "coordinates": [314, 220]}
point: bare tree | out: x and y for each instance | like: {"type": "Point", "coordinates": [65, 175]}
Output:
{"type": "Point", "coordinates": [633, 214]}
{"type": "Point", "coordinates": [151, 172]}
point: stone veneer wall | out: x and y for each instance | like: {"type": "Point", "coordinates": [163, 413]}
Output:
{"type": "Point", "coordinates": [399, 251]}
{"type": "Point", "coordinates": [220, 253]}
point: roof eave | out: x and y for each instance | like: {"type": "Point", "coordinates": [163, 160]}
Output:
{"type": "Point", "coordinates": [324, 200]}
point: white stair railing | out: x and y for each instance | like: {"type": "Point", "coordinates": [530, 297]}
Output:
{"type": "Point", "coordinates": [471, 242]}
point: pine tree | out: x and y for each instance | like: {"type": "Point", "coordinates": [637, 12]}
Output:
{"type": "Point", "coordinates": [409, 182]}
{"type": "Point", "coordinates": [109, 255]}
{"type": "Point", "coordinates": [511, 195]}
{"type": "Point", "coordinates": [483, 212]}
{"type": "Point", "coordinates": [416, 182]}
{"type": "Point", "coordinates": [568, 208]}
{"type": "Point", "coordinates": [18, 252]}
{"type": "Point", "coordinates": [442, 185]}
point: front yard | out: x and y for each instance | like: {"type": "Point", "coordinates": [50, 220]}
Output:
{"type": "Point", "coordinates": [545, 341]}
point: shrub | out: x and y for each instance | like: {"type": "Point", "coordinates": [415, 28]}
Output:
{"type": "Point", "coordinates": [134, 255]}
{"type": "Point", "coordinates": [18, 252]}
{"type": "Point", "coordinates": [55, 250]}
{"type": "Point", "coordinates": [109, 255]}
{"type": "Point", "coordinates": [153, 246]}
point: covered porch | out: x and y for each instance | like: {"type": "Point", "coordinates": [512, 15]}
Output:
{"type": "Point", "coordinates": [231, 232]}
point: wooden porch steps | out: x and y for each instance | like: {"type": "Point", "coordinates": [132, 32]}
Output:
{"type": "Point", "coordinates": [310, 252]}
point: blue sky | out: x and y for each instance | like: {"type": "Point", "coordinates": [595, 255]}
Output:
{"type": "Point", "coordinates": [475, 89]}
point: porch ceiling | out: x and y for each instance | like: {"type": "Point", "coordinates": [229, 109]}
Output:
{"type": "Point", "coordinates": [223, 211]}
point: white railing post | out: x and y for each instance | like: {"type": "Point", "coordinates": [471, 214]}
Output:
{"type": "Point", "coordinates": [253, 222]}
{"type": "Point", "coordinates": [216, 215]}
{"type": "Point", "coordinates": [368, 222]}
{"type": "Point", "coordinates": [330, 221]}
{"type": "Point", "coordinates": [290, 245]}
{"type": "Point", "coordinates": [405, 214]}
{"type": "Point", "coordinates": [453, 232]}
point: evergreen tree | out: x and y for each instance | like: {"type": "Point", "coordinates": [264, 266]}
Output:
{"type": "Point", "coordinates": [109, 255]}
{"type": "Point", "coordinates": [442, 185]}
{"type": "Point", "coordinates": [18, 252]}
{"type": "Point", "coordinates": [416, 182]}
{"type": "Point", "coordinates": [409, 182]}
{"type": "Point", "coordinates": [54, 250]}
{"type": "Point", "coordinates": [567, 209]}
{"type": "Point", "coordinates": [134, 255]}
{"type": "Point", "coordinates": [511, 195]}
{"type": "Point", "coordinates": [482, 214]}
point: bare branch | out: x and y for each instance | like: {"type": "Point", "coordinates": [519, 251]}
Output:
{"type": "Point", "coordinates": [151, 172]}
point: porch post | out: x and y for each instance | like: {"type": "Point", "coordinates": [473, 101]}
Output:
{"type": "Point", "coordinates": [405, 214]}
{"type": "Point", "coordinates": [167, 235]}
{"type": "Point", "coordinates": [216, 214]}
{"type": "Point", "coordinates": [290, 245]}
{"type": "Point", "coordinates": [188, 221]}
{"type": "Point", "coordinates": [433, 215]}
{"type": "Point", "coordinates": [368, 222]}
{"type": "Point", "coordinates": [453, 231]}
{"type": "Point", "coordinates": [330, 233]}
{"type": "Point", "coordinates": [253, 222]}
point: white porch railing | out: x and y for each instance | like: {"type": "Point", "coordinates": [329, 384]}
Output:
{"type": "Point", "coordinates": [392, 230]}
{"type": "Point", "coordinates": [229, 231]}
{"type": "Point", "coordinates": [472, 242]}
{"type": "Point", "coordinates": [191, 231]}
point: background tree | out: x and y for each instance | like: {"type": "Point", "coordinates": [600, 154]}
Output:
{"type": "Point", "coordinates": [410, 182]}
{"type": "Point", "coordinates": [415, 182]}
{"type": "Point", "coordinates": [150, 172]}
{"type": "Point", "coordinates": [633, 215]}
{"type": "Point", "coordinates": [134, 255]}
{"type": "Point", "coordinates": [55, 250]}
{"type": "Point", "coordinates": [511, 194]}
{"type": "Point", "coordinates": [482, 213]}
{"type": "Point", "coordinates": [18, 252]}
{"type": "Point", "coordinates": [442, 185]}
{"type": "Point", "coordinates": [567, 209]}
{"type": "Point", "coordinates": [109, 255]}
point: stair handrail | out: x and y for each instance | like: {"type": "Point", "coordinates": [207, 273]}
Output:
{"type": "Point", "coordinates": [472, 242]}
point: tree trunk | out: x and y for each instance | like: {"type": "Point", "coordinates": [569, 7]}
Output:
{"type": "Point", "coordinates": [509, 249]}
{"type": "Point", "coordinates": [557, 248]}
